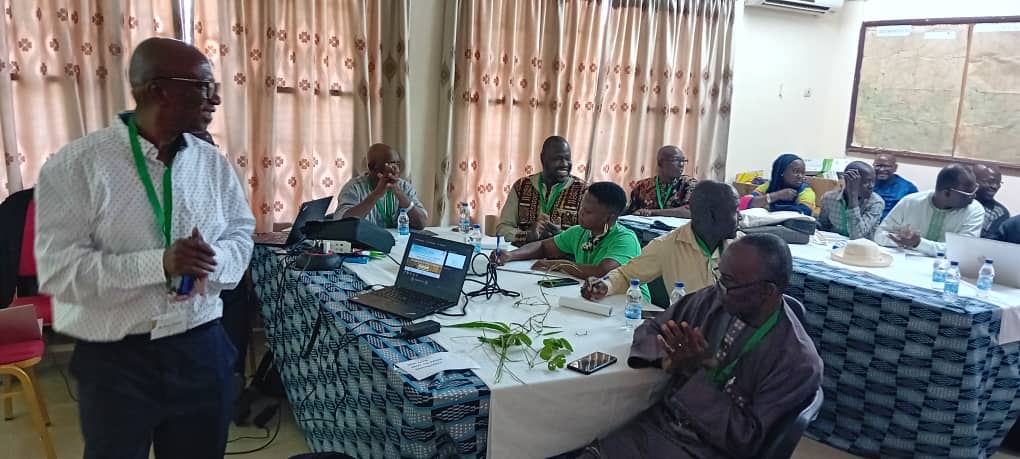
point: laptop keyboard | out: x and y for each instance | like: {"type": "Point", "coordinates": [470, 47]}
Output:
{"type": "Point", "coordinates": [408, 297]}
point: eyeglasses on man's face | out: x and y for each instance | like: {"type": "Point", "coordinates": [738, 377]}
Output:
{"type": "Point", "coordinates": [964, 193]}
{"type": "Point", "coordinates": [210, 88]}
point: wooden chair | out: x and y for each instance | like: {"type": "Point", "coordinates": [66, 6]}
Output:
{"type": "Point", "coordinates": [21, 349]}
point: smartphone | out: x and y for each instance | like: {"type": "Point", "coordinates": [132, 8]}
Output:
{"type": "Point", "coordinates": [558, 282]}
{"type": "Point", "coordinates": [591, 363]}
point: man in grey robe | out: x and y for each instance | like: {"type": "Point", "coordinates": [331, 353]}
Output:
{"type": "Point", "coordinates": [727, 393]}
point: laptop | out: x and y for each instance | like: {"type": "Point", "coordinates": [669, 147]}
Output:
{"type": "Point", "coordinates": [311, 210]}
{"type": "Point", "coordinates": [430, 278]}
{"type": "Point", "coordinates": [971, 252]}
{"type": "Point", "coordinates": [20, 324]}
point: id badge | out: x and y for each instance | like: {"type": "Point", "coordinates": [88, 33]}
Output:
{"type": "Point", "coordinates": [169, 324]}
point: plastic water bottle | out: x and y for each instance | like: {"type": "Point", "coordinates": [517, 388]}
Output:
{"type": "Point", "coordinates": [986, 277]}
{"type": "Point", "coordinates": [951, 289]}
{"type": "Point", "coordinates": [464, 218]}
{"type": "Point", "coordinates": [475, 237]}
{"type": "Point", "coordinates": [677, 294]}
{"type": "Point", "coordinates": [635, 300]}
{"type": "Point", "coordinates": [938, 271]}
{"type": "Point", "coordinates": [403, 223]}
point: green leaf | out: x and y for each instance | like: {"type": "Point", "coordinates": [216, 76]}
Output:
{"type": "Point", "coordinates": [551, 333]}
{"type": "Point", "coordinates": [566, 345]}
{"type": "Point", "coordinates": [545, 353]}
{"type": "Point", "coordinates": [524, 338]}
{"type": "Point", "coordinates": [496, 326]}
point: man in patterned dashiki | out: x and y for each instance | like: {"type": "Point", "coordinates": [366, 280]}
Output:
{"type": "Point", "coordinates": [989, 180]}
{"type": "Point", "coordinates": [598, 243]}
{"type": "Point", "coordinates": [539, 206]}
{"type": "Point", "coordinates": [379, 195]}
{"type": "Point", "coordinates": [666, 194]}
{"type": "Point", "coordinates": [739, 358]}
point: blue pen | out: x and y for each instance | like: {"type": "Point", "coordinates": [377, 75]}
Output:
{"type": "Point", "coordinates": [498, 241]}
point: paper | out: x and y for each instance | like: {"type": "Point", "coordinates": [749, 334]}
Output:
{"type": "Point", "coordinates": [997, 27]}
{"type": "Point", "coordinates": [894, 31]}
{"type": "Point", "coordinates": [432, 364]}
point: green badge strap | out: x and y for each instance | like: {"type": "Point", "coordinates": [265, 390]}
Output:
{"type": "Point", "coordinates": [723, 374]}
{"type": "Point", "coordinates": [385, 207]}
{"type": "Point", "coordinates": [164, 214]}
{"type": "Point", "coordinates": [658, 195]}
{"type": "Point", "coordinates": [845, 224]}
{"type": "Point", "coordinates": [547, 205]}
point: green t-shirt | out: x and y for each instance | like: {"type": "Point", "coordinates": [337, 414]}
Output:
{"type": "Point", "coordinates": [620, 244]}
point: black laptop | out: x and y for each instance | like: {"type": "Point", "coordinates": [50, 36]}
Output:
{"type": "Point", "coordinates": [311, 210]}
{"type": "Point", "coordinates": [430, 278]}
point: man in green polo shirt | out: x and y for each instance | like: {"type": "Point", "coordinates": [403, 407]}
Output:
{"type": "Point", "coordinates": [598, 244]}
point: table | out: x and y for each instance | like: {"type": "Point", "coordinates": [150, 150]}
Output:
{"type": "Point", "coordinates": [530, 412]}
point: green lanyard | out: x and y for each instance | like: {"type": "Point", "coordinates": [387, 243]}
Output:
{"type": "Point", "coordinates": [708, 253]}
{"type": "Point", "coordinates": [723, 374]}
{"type": "Point", "coordinates": [658, 195]}
{"type": "Point", "coordinates": [385, 207]}
{"type": "Point", "coordinates": [547, 205]}
{"type": "Point", "coordinates": [163, 213]}
{"type": "Point", "coordinates": [845, 223]}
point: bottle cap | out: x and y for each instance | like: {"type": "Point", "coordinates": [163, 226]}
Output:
{"type": "Point", "coordinates": [635, 282]}
{"type": "Point", "coordinates": [403, 210]}
{"type": "Point", "coordinates": [940, 254]}
{"type": "Point", "coordinates": [988, 261]}
{"type": "Point", "coordinates": [954, 263]}
{"type": "Point", "coordinates": [678, 284]}
{"type": "Point", "coordinates": [477, 226]}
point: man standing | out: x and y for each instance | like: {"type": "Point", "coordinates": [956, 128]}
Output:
{"type": "Point", "coordinates": [379, 195]}
{"type": "Point", "coordinates": [668, 192]}
{"type": "Point", "coordinates": [541, 205]}
{"type": "Point", "coordinates": [888, 185]}
{"type": "Point", "coordinates": [739, 358]}
{"type": "Point", "coordinates": [921, 220]}
{"type": "Point", "coordinates": [989, 180]}
{"type": "Point", "coordinates": [122, 215]}
{"type": "Point", "coordinates": [688, 254]}
{"type": "Point", "coordinates": [855, 210]}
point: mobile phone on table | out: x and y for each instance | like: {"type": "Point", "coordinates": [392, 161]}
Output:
{"type": "Point", "coordinates": [592, 362]}
{"type": "Point", "coordinates": [558, 282]}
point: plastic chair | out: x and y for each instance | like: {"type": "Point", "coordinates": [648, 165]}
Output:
{"type": "Point", "coordinates": [27, 268]}
{"type": "Point", "coordinates": [21, 349]}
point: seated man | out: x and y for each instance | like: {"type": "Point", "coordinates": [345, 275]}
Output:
{"type": "Point", "coordinates": [739, 358]}
{"type": "Point", "coordinates": [688, 254]}
{"type": "Point", "coordinates": [921, 220]}
{"type": "Point", "coordinates": [1009, 231]}
{"type": "Point", "coordinates": [667, 193]}
{"type": "Point", "coordinates": [889, 186]}
{"type": "Point", "coordinates": [598, 243]}
{"type": "Point", "coordinates": [540, 205]}
{"type": "Point", "coordinates": [856, 210]}
{"type": "Point", "coordinates": [989, 180]}
{"type": "Point", "coordinates": [379, 195]}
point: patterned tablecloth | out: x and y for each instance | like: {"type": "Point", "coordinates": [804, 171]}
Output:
{"type": "Point", "coordinates": [906, 375]}
{"type": "Point", "coordinates": [345, 393]}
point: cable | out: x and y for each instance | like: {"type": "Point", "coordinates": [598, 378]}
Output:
{"type": "Point", "coordinates": [491, 286]}
{"type": "Point", "coordinates": [266, 429]}
{"type": "Point", "coordinates": [279, 421]}
{"type": "Point", "coordinates": [67, 384]}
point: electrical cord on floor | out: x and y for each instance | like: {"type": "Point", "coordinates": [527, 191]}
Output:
{"type": "Point", "coordinates": [266, 429]}
{"type": "Point", "coordinates": [67, 383]}
{"type": "Point", "coordinates": [279, 421]}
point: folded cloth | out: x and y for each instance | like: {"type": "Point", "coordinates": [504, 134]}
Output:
{"type": "Point", "coordinates": [756, 217]}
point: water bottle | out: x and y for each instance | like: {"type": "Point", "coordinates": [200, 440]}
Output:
{"type": "Point", "coordinates": [677, 294]}
{"type": "Point", "coordinates": [403, 223]}
{"type": "Point", "coordinates": [938, 271]}
{"type": "Point", "coordinates": [464, 218]}
{"type": "Point", "coordinates": [635, 299]}
{"type": "Point", "coordinates": [986, 277]}
{"type": "Point", "coordinates": [475, 237]}
{"type": "Point", "coordinates": [951, 289]}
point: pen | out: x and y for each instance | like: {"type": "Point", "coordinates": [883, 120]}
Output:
{"type": "Point", "coordinates": [499, 240]}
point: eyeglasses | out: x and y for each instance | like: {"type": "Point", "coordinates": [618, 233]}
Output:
{"type": "Point", "coordinates": [964, 193]}
{"type": "Point", "coordinates": [724, 289]}
{"type": "Point", "coordinates": [209, 88]}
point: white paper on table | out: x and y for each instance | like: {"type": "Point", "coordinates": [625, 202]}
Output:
{"type": "Point", "coordinates": [432, 364]}
{"type": "Point", "coordinates": [638, 219]}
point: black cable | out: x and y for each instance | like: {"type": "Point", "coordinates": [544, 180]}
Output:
{"type": "Point", "coordinates": [266, 429]}
{"type": "Point", "coordinates": [279, 421]}
{"type": "Point", "coordinates": [491, 286]}
{"type": "Point", "coordinates": [67, 384]}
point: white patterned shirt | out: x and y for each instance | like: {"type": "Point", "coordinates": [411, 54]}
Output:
{"type": "Point", "coordinates": [99, 251]}
{"type": "Point", "coordinates": [916, 212]}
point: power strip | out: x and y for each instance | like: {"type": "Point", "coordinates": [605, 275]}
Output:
{"type": "Point", "coordinates": [337, 246]}
{"type": "Point", "coordinates": [582, 304]}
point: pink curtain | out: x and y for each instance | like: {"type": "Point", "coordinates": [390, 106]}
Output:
{"type": "Point", "coordinates": [618, 79]}
{"type": "Point", "coordinates": [63, 73]}
{"type": "Point", "coordinates": [308, 85]}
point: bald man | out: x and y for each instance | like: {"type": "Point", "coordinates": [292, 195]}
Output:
{"type": "Point", "coordinates": [666, 194]}
{"type": "Point", "coordinates": [855, 210]}
{"type": "Point", "coordinates": [379, 195]}
{"type": "Point", "coordinates": [888, 185]}
{"type": "Point", "coordinates": [122, 215]}
{"type": "Point", "coordinates": [989, 180]}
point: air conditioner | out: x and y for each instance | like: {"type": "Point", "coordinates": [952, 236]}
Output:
{"type": "Point", "coordinates": [799, 6]}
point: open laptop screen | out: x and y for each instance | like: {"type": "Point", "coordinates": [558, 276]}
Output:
{"type": "Point", "coordinates": [435, 267]}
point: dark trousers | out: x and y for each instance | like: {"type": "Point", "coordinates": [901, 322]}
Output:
{"type": "Point", "coordinates": [174, 394]}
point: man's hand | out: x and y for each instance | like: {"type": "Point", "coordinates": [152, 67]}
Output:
{"type": "Point", "coordinates": [189, 257]}
{"type": "Point", "coordinates": [852, 185]}
{"type": "Point", "coordinates": [383, 183]}
{"type": "Point", "coordinates": [685, 347]}
{"type": "Point", "coordinates": [645, 212]}
{"type": "Point", "coordinates": [546, 227]}
{"type": "Point", "coordinates": [500, 257]}
{"type": "Point", "coordinates": [906, 238]}
{"type": "Point", "coordinates": [786, 194]}
{"type": "Point", "coordinates": [594, 289]}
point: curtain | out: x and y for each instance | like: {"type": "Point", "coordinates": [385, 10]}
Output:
{"type": "Point", "coordinates": [63, 73]}
{"type": "Point", "coordinates": [308, 86]}
{"type": "Point", "coordinates": [618, 79]}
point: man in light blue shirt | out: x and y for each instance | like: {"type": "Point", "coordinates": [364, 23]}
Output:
{"type": "Point", "coordinates": [888, 185]}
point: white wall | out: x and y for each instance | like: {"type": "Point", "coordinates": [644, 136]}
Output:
{"type": "Point", "coordinates": [774, 50]}
{"type": "Point", "coordinates": [425, 21]}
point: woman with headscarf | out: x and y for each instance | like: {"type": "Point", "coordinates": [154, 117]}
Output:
{"type": "Point", "coordinates": [787, 190]}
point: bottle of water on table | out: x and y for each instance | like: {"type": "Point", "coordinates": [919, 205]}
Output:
{"type": "Point", "coordinates": [677, 294]}
{"type": "Point", "coordinates": [951, 289]}
{"type": "Point", "coordinates": [986, 277]}
{"type": "Point", "coordinates": [475, 238]}
{"type": "Point", "coordinates": [464, 219]}
{"type": "Point", "coordinates": [403, 223]}
{"type": "Point", "coordinates": [635, 300]}
{"type": "Point", "coordinates": [938, 271]}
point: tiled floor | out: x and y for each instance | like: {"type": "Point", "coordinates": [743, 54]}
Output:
{"type": "Point", "coordinates": [19, 441]}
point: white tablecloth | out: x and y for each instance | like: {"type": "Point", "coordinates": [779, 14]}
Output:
{"type": "Point", "coordinates": [535, 412]}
